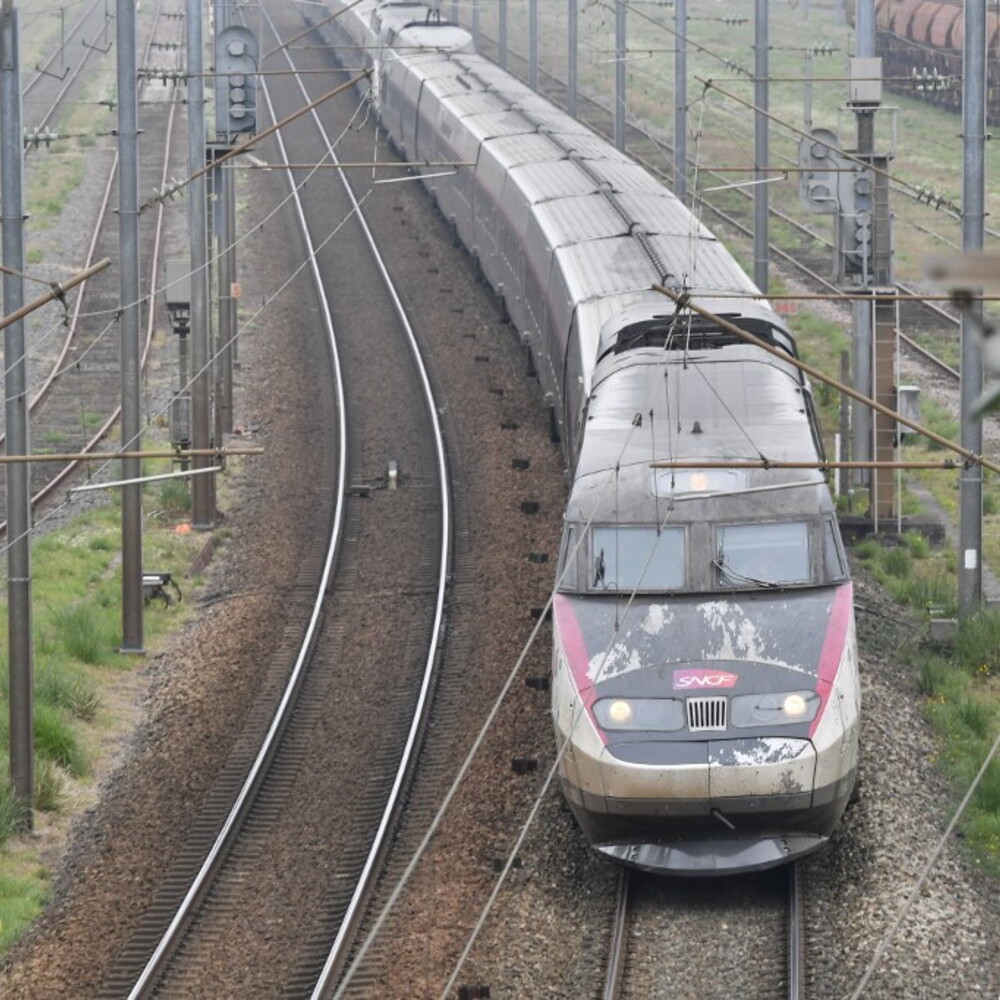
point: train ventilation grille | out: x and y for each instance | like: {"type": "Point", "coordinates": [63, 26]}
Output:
{"type": "Point", "coordinates": [706, 714]}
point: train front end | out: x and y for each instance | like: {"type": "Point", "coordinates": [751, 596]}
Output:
{"type": "Point", "coordinates": [707, 736]}
{"type": "Point", "coordinates": [705, 687]}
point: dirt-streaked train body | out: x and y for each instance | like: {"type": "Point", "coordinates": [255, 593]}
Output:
{"type": "Point", "coordinates": [705, 690]}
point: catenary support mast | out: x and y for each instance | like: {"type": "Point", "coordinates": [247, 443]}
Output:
{"type": "Point", "coordinates": [19, 644]}
{"type": "Point", "coordinates": [970, 489]}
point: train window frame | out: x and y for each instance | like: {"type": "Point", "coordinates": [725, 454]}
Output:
{"type": "Point", "coordinates": [746, 576]}
{"type": "Point", "coordinates": [834, 559]}
{"type": "Point", "coordinates": [597, 567]}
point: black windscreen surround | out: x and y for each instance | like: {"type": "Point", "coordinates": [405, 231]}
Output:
{"type": "Point", "coordinates": [698, 333]}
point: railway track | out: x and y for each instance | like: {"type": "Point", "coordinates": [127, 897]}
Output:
{"type": "Point", "coordinates": [63, 72]}
{"type": "Point", "coordinates": [76, 392]}
{"type": "Point", "coordinates": [705, 939]}
{"type": "Point", "coordinates": [283, 780]}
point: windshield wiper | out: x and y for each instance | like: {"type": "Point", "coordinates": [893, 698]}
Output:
{"type": "Point", "coordinates": [737, 577]}
{"type": "Point", "coordinates": [599, 574]}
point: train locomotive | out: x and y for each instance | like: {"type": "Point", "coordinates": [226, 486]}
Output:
{"type": "Point", "coordinates": [705, 690]}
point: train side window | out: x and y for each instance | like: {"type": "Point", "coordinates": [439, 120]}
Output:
{"type": "Point", "coordinates": [763, 555]}
{"type": "Point", "coordinates": [636, 558]}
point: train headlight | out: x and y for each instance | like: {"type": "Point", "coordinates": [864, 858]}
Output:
{"type": "Point", "coordinates": [632, 714]}
{"type": "Point", "coordinates": [794, 706]}
{"type": "Point", "coordinates": [620, 712]}
{"type": "Point", "coordinates": [775, 709]}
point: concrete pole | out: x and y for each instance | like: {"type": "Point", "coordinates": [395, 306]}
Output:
{"type": "Point", "coordinates": [620, 55]}
{"type": "Point", "coordinates": [203, 514]}
{"type": "Point", "coordinates": [19, 641]}
{"type": "Point", "coordinates": [129, 293]}
{"type": "Point", "coordinates": [533, 44]}
{"type": "Point", "coordinates": [680, 99]}
{"type": "Point", "coordinates": [970, 490]}
{"type": "Point", "coordinates": [760, 137]}
{"type": "Point", "coordinates": [572, 55]}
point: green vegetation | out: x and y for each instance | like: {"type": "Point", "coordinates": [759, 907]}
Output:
{"type": "Point", "coordinates": [960, 694]}
{"type": "Point", "coordinates": [90, 421]}
{"type": "Point", "coordinates": [961, 687]}
{"type": "Point", "coordinates": [76, 597]}
{"type": "Point", "coordinates": [174, 497]}
{"type": "Point", "coordinates": [912, 573]}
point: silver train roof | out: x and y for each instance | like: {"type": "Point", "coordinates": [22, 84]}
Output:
{"type": "Point", "coordinates": [716, 405]}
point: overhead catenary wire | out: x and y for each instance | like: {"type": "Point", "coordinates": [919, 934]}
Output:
{"type": "Point", "coordinates": [250, 143]}
{"type": "Point", "coordinates": [847, 155]}
{"type": "Point", "coordinates": [911, 189]}
{"type": "Point", "coordinates": [460, 775]}
{"type": "Point", "coordinates": [890, 934]}
{"type": "Point", "coordinates": [553, 770]}
{"type": "Point", "coordinates": [686, 299]}
{"type": "Point", "coordinates": [109, 458]}
{"type": "Point", "coordinates": [114, 312]}
{"type": "Point", "coordinates": [510, 860]}
{"type": "Point", "coordinates": [531, 819]}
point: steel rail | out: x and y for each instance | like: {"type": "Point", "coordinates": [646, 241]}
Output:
{"type": "Point", "coordinates": [216, 855]}
{"type": "Point", "coordinates": [220, 849]}
{"type": "Point", "coordinates": [339, 951]}
{"type": "Point", "coordinates": [618, 946]}
{"type": "Point", "coordinates": [796, 941]}
{"type": "Point", "coordinates": [42, 71]}
{"type": "Point", "coordinates": [73, 327]}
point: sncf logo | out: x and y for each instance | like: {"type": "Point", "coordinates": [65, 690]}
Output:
{"type": "Point", "coordinates": [693, 680]}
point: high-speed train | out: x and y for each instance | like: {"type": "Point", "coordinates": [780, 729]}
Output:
{"type": "Point", "coordinates": [705, 686]}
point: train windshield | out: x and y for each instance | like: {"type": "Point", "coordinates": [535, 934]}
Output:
{"type": "Point", "coordinates": [763, 555]}
{"type": "Point", "coordinates": [636, 558]}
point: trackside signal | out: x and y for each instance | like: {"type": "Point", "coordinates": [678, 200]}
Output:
{"type": "Point", "coordinates": [236, 56]}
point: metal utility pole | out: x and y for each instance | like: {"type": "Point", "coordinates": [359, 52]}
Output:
{"type": "Point", "coordinates": [19, 639]}
{"type": "Point", "coordinates": [572, 54]}
{"type": "Point", "coordinates": [225, 230]}
{"type": "Point", "coordinates": [129, 294]}
{"type": "Point", "coordinates": [236, 63]}
{"type": "Point", "coordinates": [861, 416]}
{"type": "Point", "coordinates": [865, 29]}
{"type": "Point", "coordinates": [865, 261]}
{"type": "Point", "coordinates": [533, 44]}
{"type": "Point", "coordinates": [970, 490]}
{"type": "Point", "coordinates": [620, 55]}
{"type": "Point", "coordinates": [202, 506]}
{"type": "Point", "coordinates": [760, 150]}
{"type": "Point", "coordinates": [680, 99]}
